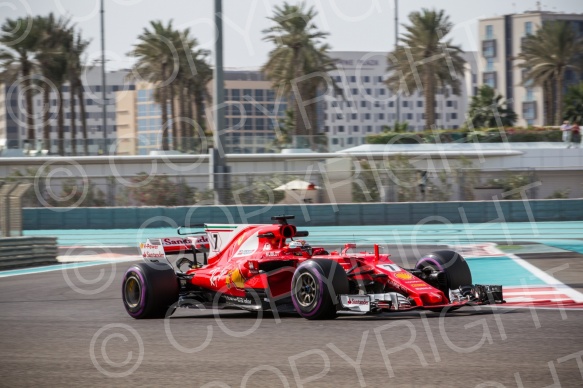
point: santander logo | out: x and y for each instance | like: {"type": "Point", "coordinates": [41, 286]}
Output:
{"type": "Point", "coordinates": [357, 301]}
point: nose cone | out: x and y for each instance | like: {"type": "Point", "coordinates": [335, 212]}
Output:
{"type": "Point", "coordinates": [435, 298]}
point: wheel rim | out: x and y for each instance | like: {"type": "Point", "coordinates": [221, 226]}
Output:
{"type": "Point", "coordinates": [133, 291]}
{"type": "Point", "coordinates": [306, 291]}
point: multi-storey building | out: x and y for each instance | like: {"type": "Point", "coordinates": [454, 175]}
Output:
{"type": "Point", "coordinates": [501, 40]}
{"type": "Point", "coordinates": [367, 107]}
{"type": "Point", "coordinates": [13, 118]}
{"type": "Point", "coordinates": [252, 113]}
{"type": "Point", "coordinates": [10, 117]}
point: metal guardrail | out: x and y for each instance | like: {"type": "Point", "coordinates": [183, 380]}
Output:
{"type": "Point", "coordinates": [27, 251]}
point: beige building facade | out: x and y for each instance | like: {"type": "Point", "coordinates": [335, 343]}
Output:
{"type": "Point", "coordinates": [501, 40]}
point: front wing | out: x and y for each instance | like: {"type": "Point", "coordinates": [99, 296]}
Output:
{"type": "Point", "coordinates": [393, 301]}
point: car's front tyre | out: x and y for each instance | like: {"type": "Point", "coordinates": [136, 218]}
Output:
{"type": "Point", "coordinates": [455, 267]}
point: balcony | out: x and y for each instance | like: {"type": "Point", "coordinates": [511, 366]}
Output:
{"type": "Point", "coordinates": [489, 48]}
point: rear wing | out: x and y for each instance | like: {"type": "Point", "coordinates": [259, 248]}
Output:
{"type": "Point", "coordinates": [221, 235]}
{"type": "Point", "coordinates": [212, 241]}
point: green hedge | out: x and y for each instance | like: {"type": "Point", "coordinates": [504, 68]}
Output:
{"type": "Point", "coordinates": [488, 135]}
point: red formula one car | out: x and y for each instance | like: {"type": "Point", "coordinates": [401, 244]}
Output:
{"type": "Point", "coordinates": [270, 267]}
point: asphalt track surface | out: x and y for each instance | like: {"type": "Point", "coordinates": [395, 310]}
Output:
{"type": "Point", "coordinates": [69, 328]}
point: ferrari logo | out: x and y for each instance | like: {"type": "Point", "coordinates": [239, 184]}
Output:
{"type": "Point", "coordinates": [404, 275]}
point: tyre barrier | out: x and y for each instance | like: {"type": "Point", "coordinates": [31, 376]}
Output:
{"type": "Point", "coordinates": [27, 251]}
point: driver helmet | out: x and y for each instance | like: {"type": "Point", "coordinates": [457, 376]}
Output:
{"type": "Point", "coordinates": [302, 244]}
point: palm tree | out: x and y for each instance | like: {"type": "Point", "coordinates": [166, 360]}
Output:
{"type": "Point", "coordinates": [51, 55]}
{"type": "Point", "coordinates": [188, 72]}
{"type": "Point", "coordinates": [199, 84]}
{"type": "Point", "coordinates": [546, 56]}
{"type": "Point", "coordinates": [158, 62]}
{"type": "Point", "coordinates": [574, 104]}
{"type": "Point", "coordinates": [75, 46]}
{"type": "Point", "coordinates": [298, 52]}
{"type": "Point", "coordinates": [487, 110]}
{"type": "Point", "coordinates": [20, 39]}
{"type": "Point", "coordinates": [424, 61]}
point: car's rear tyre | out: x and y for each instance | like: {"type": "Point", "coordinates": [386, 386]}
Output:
{"type": "Point", "coordinates": [316, 285]}
{"type": "Point", "coordinates": [149, 290]}
{"type": "Point", "coordinates": [454, 266]}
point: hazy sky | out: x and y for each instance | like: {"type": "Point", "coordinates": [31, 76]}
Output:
{"type": "Point", "coordinates": [354, 25]}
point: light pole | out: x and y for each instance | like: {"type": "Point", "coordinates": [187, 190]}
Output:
{"type": "Point", "coordinates": [103, 82]}
{"type": "Point", "coordinates": [398, 101]}
{"type": "Point", "coordinates": [218, 165]}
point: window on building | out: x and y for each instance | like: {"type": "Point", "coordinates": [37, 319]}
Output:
{"type": "Point", "coordinates": [381, 116]}
{"type": "Point", "coordinates": [528, 28]}
{"type": "Point", "coordinates": [368, 91]}
{"type": "Point", "coordinates": [236, 93]}
{"type": "Point", "coordinates": [354, 92]}
{"type": "Point", "coordinates": [355, 128]}
{"type": "Point", "coordinates": [363, 104]}
{"type": "Point", "coordinates": [449, 103]}
{"type": "Point", "coordinates": [419, 104]}
{"type": "Point", "coordinates": [354, 116]}
{"type": "Point", "coordinates": [391, 104]}
{"type": "Point", "coordinates": [490, 64]}
{"type": "Point", "coordinates": [490, 79]}
{"type": "Point", "coordinates": [382, 92]}
{"type": "Point", "coordinates": [409, 116]}
{"type": "Point", "coordinates": [259, 94]}
{"type": "Point", "coordinates": [142, 124]}
{"type": "Point", "coordinates": [247, 93]}
{"type": "Point", "coordinates": [341, 128]}
{"type": "Point", "coordinates": [489, 31]}
{"type": "Point", "coordinates": [367, 116]}
{"type": "Point", "coordinates": [369, 128]}
{"type": "Point", "coordinates": [339, 116]}
{"type": "Point", "coordinates": [454, 116]}
{"type": "Point", "coordinates": [529, 94]}
{"type": "Point", "coordinates": [366, 78]}
{"type": "Point", "coordinates": [405, 104]}
{"type": "Point", "coordinates": [489, 48]}
{"type": "Point", "coordinates": [377, 104]}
